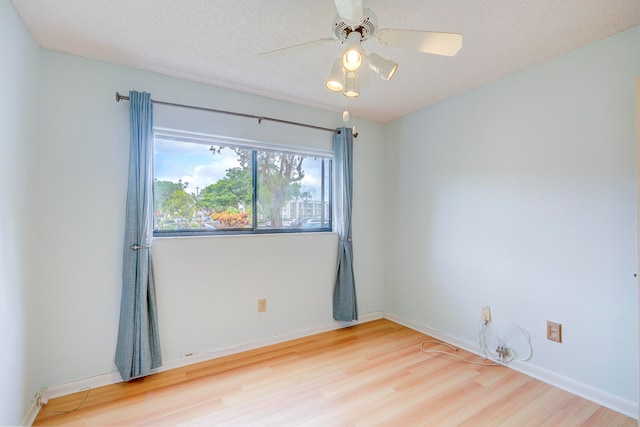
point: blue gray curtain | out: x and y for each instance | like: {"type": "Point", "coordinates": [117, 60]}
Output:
{"type": "Point", "coordinates": [345, 306]}
{"type": "Point", "coordinates": [138, 349]}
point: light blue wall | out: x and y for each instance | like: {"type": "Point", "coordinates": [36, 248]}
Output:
{"type": "Point", "coordinates": [208, 288]}
{"type": "Point", "coordinates": [18, 301]}
{"type": "Point", "coordinates": [64, 169]}
{"type": "Point", "coordinates": [520, 195]}
{"type": "Point", "coordinates": [503, 196]}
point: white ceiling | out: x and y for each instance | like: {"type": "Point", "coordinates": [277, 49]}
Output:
{"type": "Point", "coordinates": [217, 42]}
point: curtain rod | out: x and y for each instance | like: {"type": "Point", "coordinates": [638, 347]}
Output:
{"type": "Point", "coordinates": [249, 116]}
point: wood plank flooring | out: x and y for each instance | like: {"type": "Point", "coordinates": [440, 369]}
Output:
{"type": "Point", "coordinates": [372, 374]}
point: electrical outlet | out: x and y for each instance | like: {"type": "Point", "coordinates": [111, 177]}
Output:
{"type": "Point", "coordinates": [262, 305]}
{"type": "Point", "coordinates": [554, 331]}
{"type": "Point", "coordinates": [486, 314]}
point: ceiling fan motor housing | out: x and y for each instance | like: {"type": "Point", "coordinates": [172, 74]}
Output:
{"type": "Point", "coordinates": [367, 27]}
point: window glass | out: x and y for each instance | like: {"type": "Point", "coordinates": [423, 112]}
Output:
{"type": "Point", "coordinates": [200, 187]}
{"type": "Point", "coordinates": [292, 192]}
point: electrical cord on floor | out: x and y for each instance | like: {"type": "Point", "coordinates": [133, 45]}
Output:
{"type": "Point", "coordinates": [472, 362]}
{"type": "Point", "coordinates": [501, 356]}
{"type": "Point", "coordinates": [88, 389]}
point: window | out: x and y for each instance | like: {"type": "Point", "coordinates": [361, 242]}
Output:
{"type": "Point", "coordinates": [212, 185]}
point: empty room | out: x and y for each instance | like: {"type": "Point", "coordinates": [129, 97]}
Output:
{"type": "Point", "coordinates": [335, 212]}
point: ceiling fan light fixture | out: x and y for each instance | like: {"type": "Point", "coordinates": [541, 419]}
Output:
{"type": "Point", "coordinates": [352, 27]}
{"type": "Point", "coordinates": [351, 89]}
{"type": "Point", "coordinates": [352, 58]}
{"type": "Point", "coordinates": [336, 77]}
{"type": "Point", "coordinates": [385, 68]}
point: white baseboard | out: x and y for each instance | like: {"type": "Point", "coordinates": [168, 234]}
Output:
{"type": "Point", "coordinates": [585, 391]}
{"type": "Point", "coordinates": [31, 415]}
{"type": "Point", "coordinates": [275, 339]}
{"type": "Point", "coordinates": [114, 376]}
{"type": "Point", "coordinates": [611, 401]}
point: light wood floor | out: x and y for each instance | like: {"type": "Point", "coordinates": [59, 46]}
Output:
{"type": "Point", "coordinates": [370, 374]}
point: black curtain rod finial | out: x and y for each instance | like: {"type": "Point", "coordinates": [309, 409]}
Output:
{"type": "Point", "coordinates": [121, 97]}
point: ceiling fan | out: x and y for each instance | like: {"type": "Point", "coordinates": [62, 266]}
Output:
{"type": "Point", "coordinates": [355, 24]}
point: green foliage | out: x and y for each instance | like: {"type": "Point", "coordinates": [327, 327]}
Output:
{"type": "Point", "coordinates": [228, 193]}
{"type": "Point", "coordinates": [279, 176]}
{"type": "Point", "coordinates": [174, 207]}
{"type": "Point", "coordinates": [293, 192]}
{"type": "Point", "coordinates": [162, 190]}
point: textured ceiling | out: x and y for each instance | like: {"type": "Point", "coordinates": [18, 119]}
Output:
{"type": "Point", "coordinates": [218, 42]}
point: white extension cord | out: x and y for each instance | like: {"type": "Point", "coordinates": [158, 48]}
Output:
{"type": "Point", "coordinates": [496, 353]}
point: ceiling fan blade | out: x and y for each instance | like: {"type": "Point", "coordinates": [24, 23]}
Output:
{"type": "Point", "coordinates": [297, 47]}
{"type": "Point", "coordinates": [351, 10]}
{"type": "Point", "coordinates": [447, 44]}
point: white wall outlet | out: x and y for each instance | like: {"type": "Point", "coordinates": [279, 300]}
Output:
{"type": "Point", "coordinates": [486, 314]}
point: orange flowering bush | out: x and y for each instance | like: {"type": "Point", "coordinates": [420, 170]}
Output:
{"type": "Point", "coordinates": [231, 219]}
